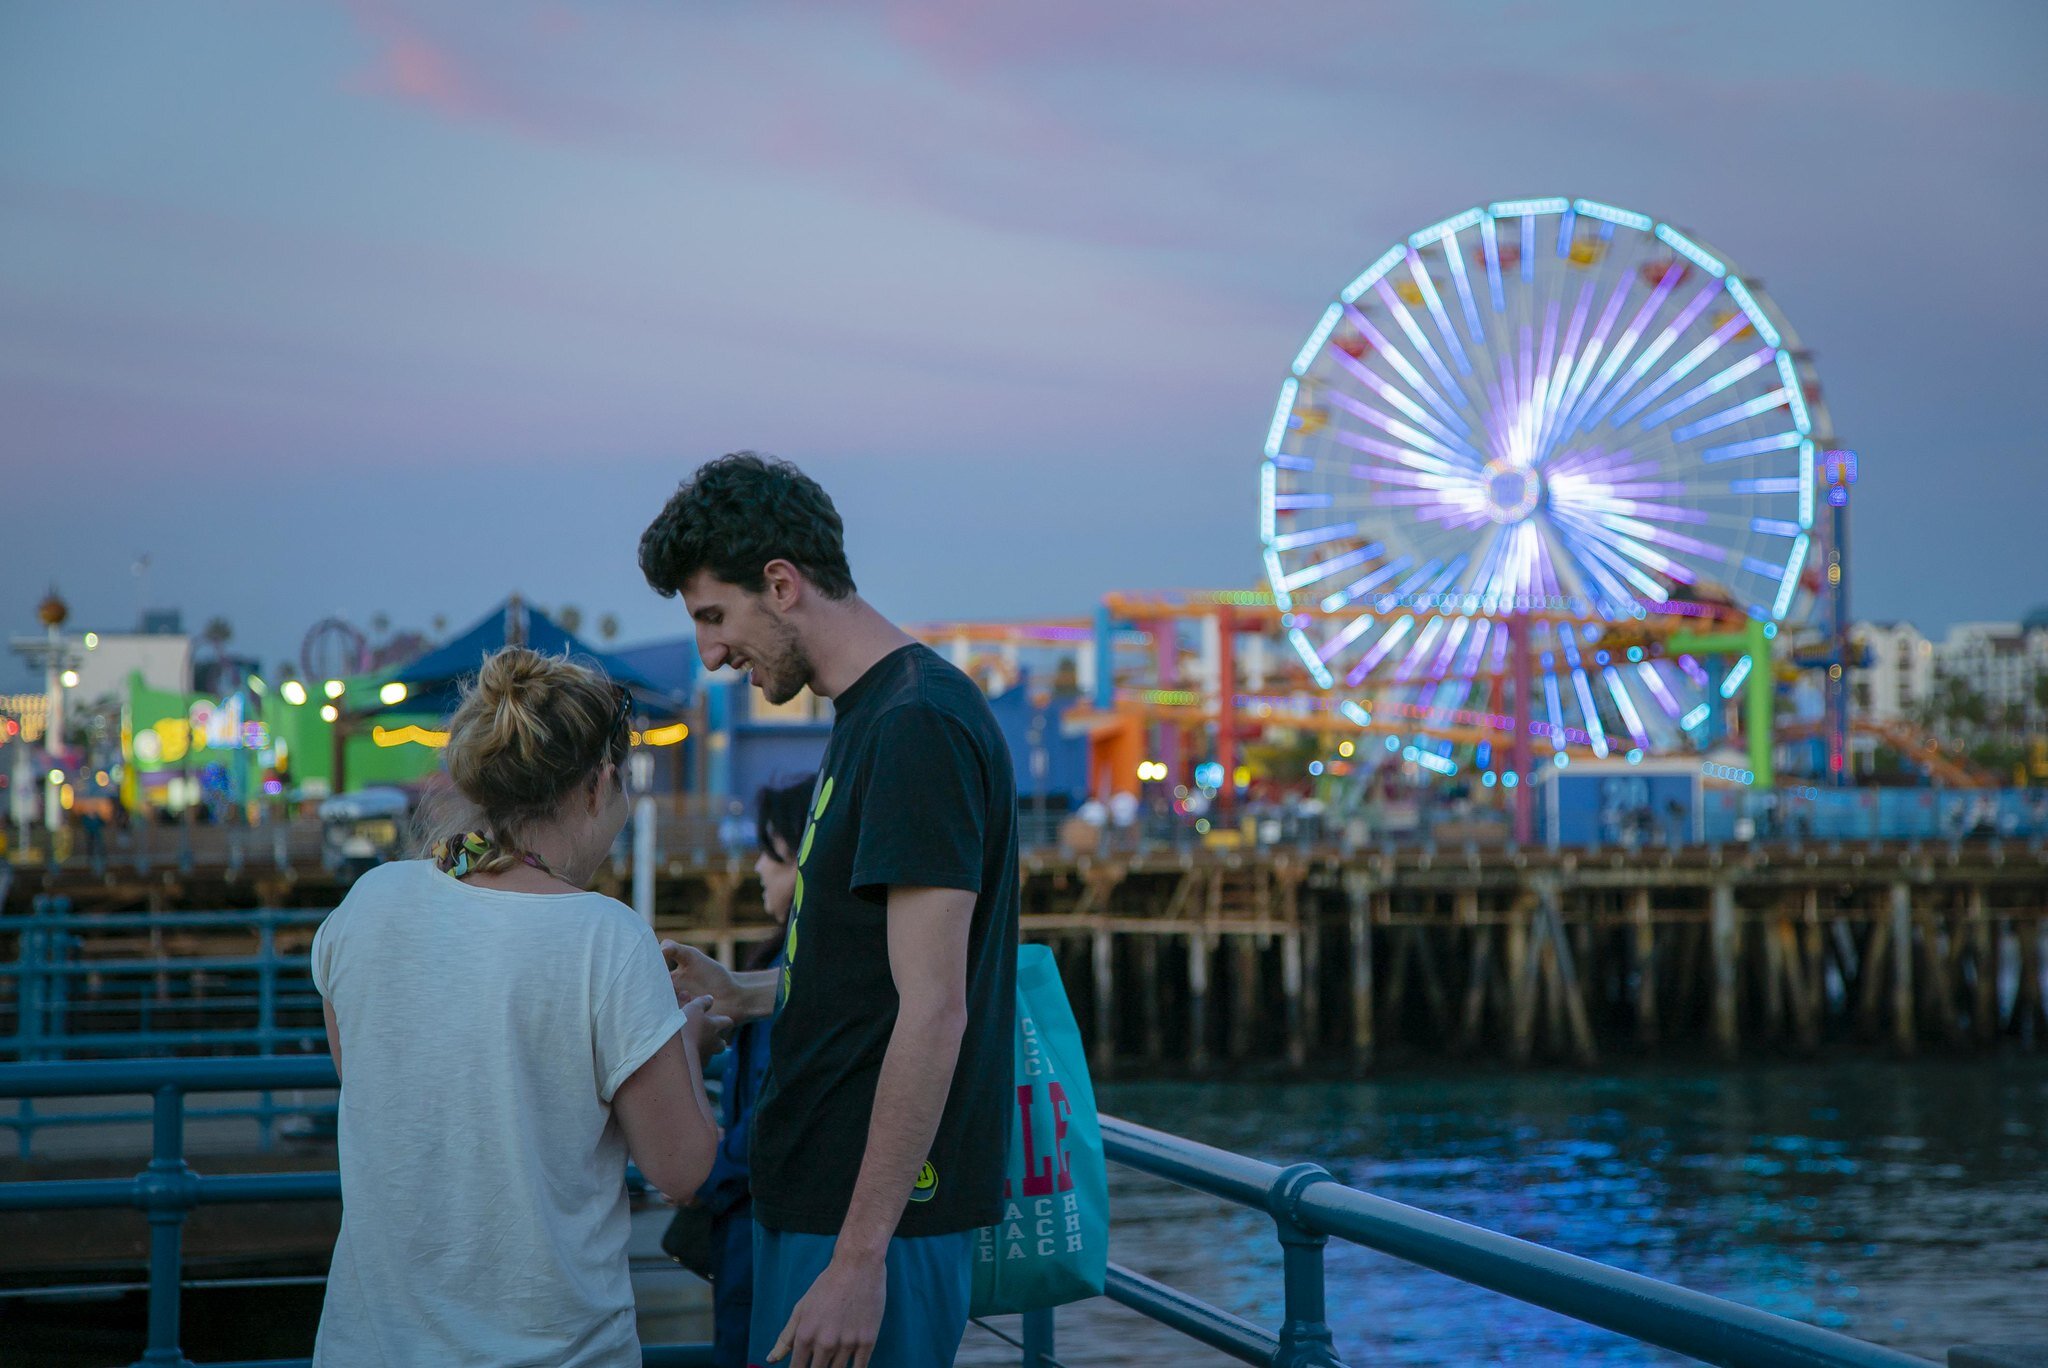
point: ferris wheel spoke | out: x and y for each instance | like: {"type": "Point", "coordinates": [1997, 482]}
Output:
{"type": "Point", "coordinates": [1392, 395]}
{"type": "Point", "coordinates": [1411, 447]}
{"type": "Point", "coordinates": [1651, 355]}
{"type": "Point", "coordinates": [1626, 536]}
{"type": "Point", "coordinates": [1365, 584]}
{"type": "Point", "coordinates": [1708, 388]}
{"type": "Point", "coordinates": [1379, 651]}
{"type": "Point", "coordinates": [1728, 417]}
{"type": "Point", "coordinates": [1475, 651]}
{"type": "Point", "coordinates": [1759, 446]}
{"type": "Point", "coordinates": [1435, 304]}
{"type": "Point", "coordinates": [1591, 357]}
{"type": "Point", "coordinates": [1398, 310]}
{"type": "Point", "coordinates": [1589, 711]}
{"type": "Point", "coordinates": [1389, 351]}
{"type": "Point", "coordinates": [1582, 412]}
{"type": "Point", "coordinates": [1728, 331]}
{"type": "Point", "coordinates": [1335, 565]}
{"type": "Point", "coordinates": [1420, 647]}
{"type": "Point", "coordinates": [1560, 378]}
{"type": "Point", "coordinates": [1611, 570]}
{"type": "Point", "coordinates": [1455, 260]}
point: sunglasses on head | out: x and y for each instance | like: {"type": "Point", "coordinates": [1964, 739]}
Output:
{"type": "Point", "coordinates": [619, 737]}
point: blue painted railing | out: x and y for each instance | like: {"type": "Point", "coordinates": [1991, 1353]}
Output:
{"type": "Point", "coordinates": [1308, 1208]}
{"type": "Point", "coordinates": [58, 1000]}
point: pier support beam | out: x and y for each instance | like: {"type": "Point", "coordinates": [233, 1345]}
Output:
{"type": "Point", "coordinates": [1643, 939]}
{"type": "Point", "coordinates": [1726, 934]}
{"type": "Point", "coordinates": [1358, 892]}
{"type": "Point", "coordinates": [1104, 964]}
{"type": "Point", "coordinates": [1902, 968]}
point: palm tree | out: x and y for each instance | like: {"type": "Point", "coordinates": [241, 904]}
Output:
{"type": "Point", "coordinates": [217, 633]}
{"type": "Point", "coordinates": [440, 625]}
{"type": "Point", "coordinates": [380, 623]}
{"type": "Point", "coordinates": [608, 626]}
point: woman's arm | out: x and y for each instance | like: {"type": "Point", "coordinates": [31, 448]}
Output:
{"type": "Point", "coordinates": [666, 1117]}
{"type": "Point", "coordinates": [333, 1034]}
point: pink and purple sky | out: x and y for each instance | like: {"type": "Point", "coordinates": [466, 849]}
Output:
{"type": "Point", "coordinates": [373, 307]}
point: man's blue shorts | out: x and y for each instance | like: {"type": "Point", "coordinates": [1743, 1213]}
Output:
{"type": "Point", "coordinates": [929, 1279]}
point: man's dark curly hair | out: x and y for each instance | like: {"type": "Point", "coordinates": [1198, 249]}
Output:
{"type": "Point", "coordinates": [735, 515]}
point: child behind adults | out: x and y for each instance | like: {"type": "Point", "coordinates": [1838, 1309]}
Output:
{"type": "Point", "coordinates": [727, 1195]}
{"type": "Point", "coordinates": [505, 1038]}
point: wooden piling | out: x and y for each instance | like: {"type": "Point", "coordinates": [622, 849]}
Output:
{"type": "Point", "coordinates": [1244, 981]}
{"type": "Point", "coordinates": [1643, 945]}
{"type": "Point", "coordinates": [1151, 1008]}
{"type": "Point", "coordinates": [1358, 896]}
{"type": "Point", "coordinates": [1984, 968]}
{"type": "Point", "coordinates": [1726, 937]}
{"type": "Point", "coordinates": [1901, 926]}
{"type": "Point", "coordinates": [1522, 971]}
{"type": "Point", "coordinates": [1564, 980]}
{"type": "Point", "coordinates": [1103, 961]}
{"type": "Point", "coordinates": [1291, 990]}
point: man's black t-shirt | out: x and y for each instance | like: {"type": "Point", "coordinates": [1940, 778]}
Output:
{"type": "Point", "coordinates": [916, 790]}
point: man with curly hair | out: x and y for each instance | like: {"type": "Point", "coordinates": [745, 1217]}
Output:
{"type": "Point", "coordinates": [880, 1136]}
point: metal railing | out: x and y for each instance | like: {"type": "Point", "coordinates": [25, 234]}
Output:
{"type": "Point", "coordinates": [104, 984]}
{"type": "Point", "coordinates": [1308, 1208]}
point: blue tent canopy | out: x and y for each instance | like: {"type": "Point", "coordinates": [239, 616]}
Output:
{"type": "Point", "coordinates": [433, 681]}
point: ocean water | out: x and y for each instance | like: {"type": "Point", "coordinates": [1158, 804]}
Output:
{"type": "Point", "coordinates": [1904, 1203]}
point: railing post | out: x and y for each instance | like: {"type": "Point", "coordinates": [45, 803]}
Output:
{"type": "Point", "coordinates": [165, 1191]}
{"type": "Point", "coordinates": [1305, 1337]}
{"type": "Point", "coordinates": [1038, 1345]}
{"type": "Point", "coordinates": [266, 1013]}
{"type": "Point", "coordinates": [28, 1018]}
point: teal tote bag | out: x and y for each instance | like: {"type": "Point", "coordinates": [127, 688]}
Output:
{"type": "Point", "coordinates": [1052, 1245]}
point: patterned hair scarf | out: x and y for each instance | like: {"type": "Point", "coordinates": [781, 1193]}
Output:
{"type": "Point", "coordinates": [461, 855]}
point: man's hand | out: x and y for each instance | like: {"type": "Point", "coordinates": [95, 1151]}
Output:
{"type": "Point", "coordinates": [695, 974]}
{"type": "Point", "coordinates": [836, 1322]}
{"type": "Point", "coordinates": [738, 997]}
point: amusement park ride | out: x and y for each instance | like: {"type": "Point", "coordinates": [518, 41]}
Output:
{"type": "Point", "coordinates": [1549, 481]}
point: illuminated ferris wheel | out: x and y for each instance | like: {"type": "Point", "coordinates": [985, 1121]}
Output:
{"type": "Point", "coordinates": [1551, 429]}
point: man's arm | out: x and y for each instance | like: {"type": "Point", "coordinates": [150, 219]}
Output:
{"type": "Point", "coordinates": [742, 997]}
{"type": "Point", "coordinates": [842, 1312]}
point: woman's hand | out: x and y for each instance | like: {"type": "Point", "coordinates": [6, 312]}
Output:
{"type": "Point", "coordinates": [704, 1028]}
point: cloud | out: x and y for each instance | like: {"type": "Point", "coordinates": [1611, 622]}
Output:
{"type": "Point", "coordinates": [409, 67]}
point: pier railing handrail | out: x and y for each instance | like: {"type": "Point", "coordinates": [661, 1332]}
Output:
{"type": "Point", "coordinates": [1307, 1205]}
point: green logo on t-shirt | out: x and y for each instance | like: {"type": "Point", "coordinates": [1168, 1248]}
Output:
{"type": "Point", "coordinates": [927, 1185]}
{"type": "Point", "coordinates": [796, 902]}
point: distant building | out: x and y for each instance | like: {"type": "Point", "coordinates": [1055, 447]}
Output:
{"type": "Point", "coordinates": [106, 659]}
{"type": "Point", "coordinates": [1900, 675]}
{"type": "Point", "coordinates": [1997, 660]}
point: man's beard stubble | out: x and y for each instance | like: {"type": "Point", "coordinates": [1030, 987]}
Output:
{"type": "Point", "coordinates": [786, 676]}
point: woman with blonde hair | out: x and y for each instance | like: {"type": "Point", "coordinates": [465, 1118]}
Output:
{"type": "Point", "coordinates": [505, 1039]}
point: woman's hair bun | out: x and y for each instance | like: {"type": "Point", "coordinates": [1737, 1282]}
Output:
{"type": "Point", "coordinates": [529, 728]}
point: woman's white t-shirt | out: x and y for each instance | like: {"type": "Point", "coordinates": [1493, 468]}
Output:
{"type": "Point", "coordinates": [483, 1033]}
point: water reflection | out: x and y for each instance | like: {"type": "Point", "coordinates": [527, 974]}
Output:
{"type": "Point", "coordinates": [1903, 1203]}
